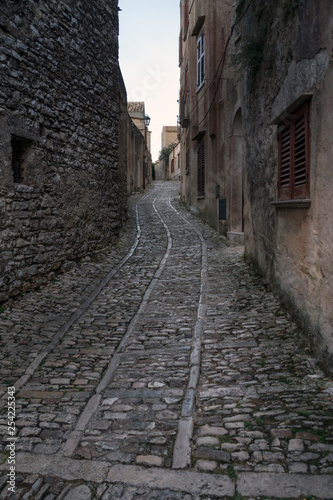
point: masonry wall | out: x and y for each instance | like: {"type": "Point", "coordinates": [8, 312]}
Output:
{"type": "Point", "coordinates": [175, 157]}
{"type": "Point", "coordinates": [207, 113]}
{"type": "Point", "coordinates": [60, 98]}
{"type": "Point", "coordinates": [135, 158]}
{"type": "Point", "coordinates": [290, 245]}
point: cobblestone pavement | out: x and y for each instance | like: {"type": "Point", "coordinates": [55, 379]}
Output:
{"type": "Point", "coordinates": [162, 368]}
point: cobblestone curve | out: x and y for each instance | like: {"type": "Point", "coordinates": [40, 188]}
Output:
{"type": "Point", "coordinates": [210, 361]}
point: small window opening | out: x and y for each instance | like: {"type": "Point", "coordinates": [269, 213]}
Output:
{"type": "Point", "coordinates": [21, 149]}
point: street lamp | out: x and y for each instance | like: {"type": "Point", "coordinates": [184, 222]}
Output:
{"type": "Point", "coordinates": [147, 120]}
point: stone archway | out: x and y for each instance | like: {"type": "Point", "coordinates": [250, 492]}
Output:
{"type": "Point", "coordinates": [236, 202]}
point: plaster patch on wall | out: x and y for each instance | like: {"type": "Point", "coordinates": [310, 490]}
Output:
{"type": "Point", "coordinates": [301, 78]}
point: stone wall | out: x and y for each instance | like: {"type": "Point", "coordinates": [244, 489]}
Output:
{"type": "Point", "coordinates": [207, 115]}
{"type": "Point", "coordinates": [291, 243]}
{"type": "Point", "coordinates": [59, 113]}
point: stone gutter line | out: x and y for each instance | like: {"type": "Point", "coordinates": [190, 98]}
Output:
{"type": "Point", "coordinates": [182, 449]}
{"type": "Point", "coordinates": [74, 438]}
{"type": "Point", "coordinates": [24, 379]}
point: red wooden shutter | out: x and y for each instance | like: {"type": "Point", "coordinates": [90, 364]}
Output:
{"type": "Point", "coordinates": [301, 154]}
{"type": "Point", "coordinates": [294, 156]}
{"type": "Point", "coordinates": [284, 164]}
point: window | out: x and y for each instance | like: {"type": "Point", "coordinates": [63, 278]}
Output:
{"type": "Point", "coordinates": [180, 48]}
{"type": "Point", "coordinates": [201, 60]}
{"type": "Point", "coordinates": [201, 170]}
{"type": "Point", "coordinates": [21, 158]}
{"type": "Point", "coordinates": [186, 18]}
{"type": "Point", "coordinates": [294, 155]}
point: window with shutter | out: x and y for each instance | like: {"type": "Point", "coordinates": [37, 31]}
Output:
{"type": "Point", "coordinates": [294, 155]}
{"type": "Point", "coordinates": [201, 170]}
{"type": "Point", "coordinates": [201, 60]}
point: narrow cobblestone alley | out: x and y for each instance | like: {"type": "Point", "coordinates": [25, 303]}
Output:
{"type": "Point", "coordinates": [162, 368]}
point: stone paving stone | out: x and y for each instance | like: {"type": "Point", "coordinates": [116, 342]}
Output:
{"type": "Point", "coordinates": [114, 395]}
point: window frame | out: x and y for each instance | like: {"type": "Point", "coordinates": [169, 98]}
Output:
{"type": "Point", "coordinates": [294, 155]}
{"type": "Point", "coordinates": [186, 18]}
{"type": "Point", "coordinates": [201, 63]}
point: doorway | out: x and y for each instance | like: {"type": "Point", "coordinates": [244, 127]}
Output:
{"type": "Point", "coordinates": [236, 203]}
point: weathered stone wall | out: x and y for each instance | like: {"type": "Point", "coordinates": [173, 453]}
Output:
{"type": "Point", "coordinates": [60, 93]}
{"type": "Point", "coordinates": [291, 247]}
{"type": "Point", "coordinates": [207, 111]}
{"type": "Point", "coordinates": [135, 151]}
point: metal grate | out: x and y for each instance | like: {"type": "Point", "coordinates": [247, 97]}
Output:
{"type": "Point", "coordinates": [222, 209]}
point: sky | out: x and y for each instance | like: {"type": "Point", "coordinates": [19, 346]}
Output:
{"type": "Point", "coordinates": [148, 53]}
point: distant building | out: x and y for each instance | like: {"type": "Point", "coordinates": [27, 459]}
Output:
{"type": "Point", "coordinates": [168, 137]}
{"type": "Point", "coordinates": [139, 172]}
{"type": "Point", "coordinates": [173, 170]}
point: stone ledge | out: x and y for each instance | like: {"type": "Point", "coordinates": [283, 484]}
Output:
{"type": "Point", "coordinates": [194, 483]}
{"type": "Point", "coordinates": [306, 203]}
{"type": "Point", "coordinates": [284, 485]}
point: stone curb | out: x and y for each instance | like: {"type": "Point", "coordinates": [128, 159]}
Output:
{"type": "Point", "coordinates": [284, 485]}
{"type": "Point", "coordinates": [248, 484]}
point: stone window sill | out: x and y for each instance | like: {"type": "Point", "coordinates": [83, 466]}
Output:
{"type": "Point", "coordinates": [292, 203]}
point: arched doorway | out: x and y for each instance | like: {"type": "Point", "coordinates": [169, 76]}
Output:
{"type": "Point", "coordinates": [236, 203]}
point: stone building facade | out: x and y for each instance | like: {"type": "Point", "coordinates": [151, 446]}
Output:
{"type": "Point", "coordinates": [287, 125]}
{"type": "Point", "coordinates": [62, 193]}
{"type": "Point", "coordinates": [173, 170]}
{"type": "Point", "coordinates": [256, 147]}
{"type": "Point", "coordinates": [169, 136]}
{"type": "Point", "coordinates": [211, 142]}
{"type": "Point", "coordinates": [139, 170]}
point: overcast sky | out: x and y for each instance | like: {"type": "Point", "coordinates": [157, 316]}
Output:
{"type": "Point", "coordinates": [148, 51]}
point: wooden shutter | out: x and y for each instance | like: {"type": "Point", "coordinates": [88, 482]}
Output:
{"type": "Point", "coordinates": [301, 153]}
{"type": "Point", "coordinates": [294, 156]}
{"type": "Point", "coordinates": [201, 169]}
{"type": "Point", "coordinates": [198, 62]}
{"type": "Point", "coordinates": [284, 164]}
{"type": "Point", "coordinates": [186, 18]}
{"type": "Point", "coordinates": [180, 48]}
